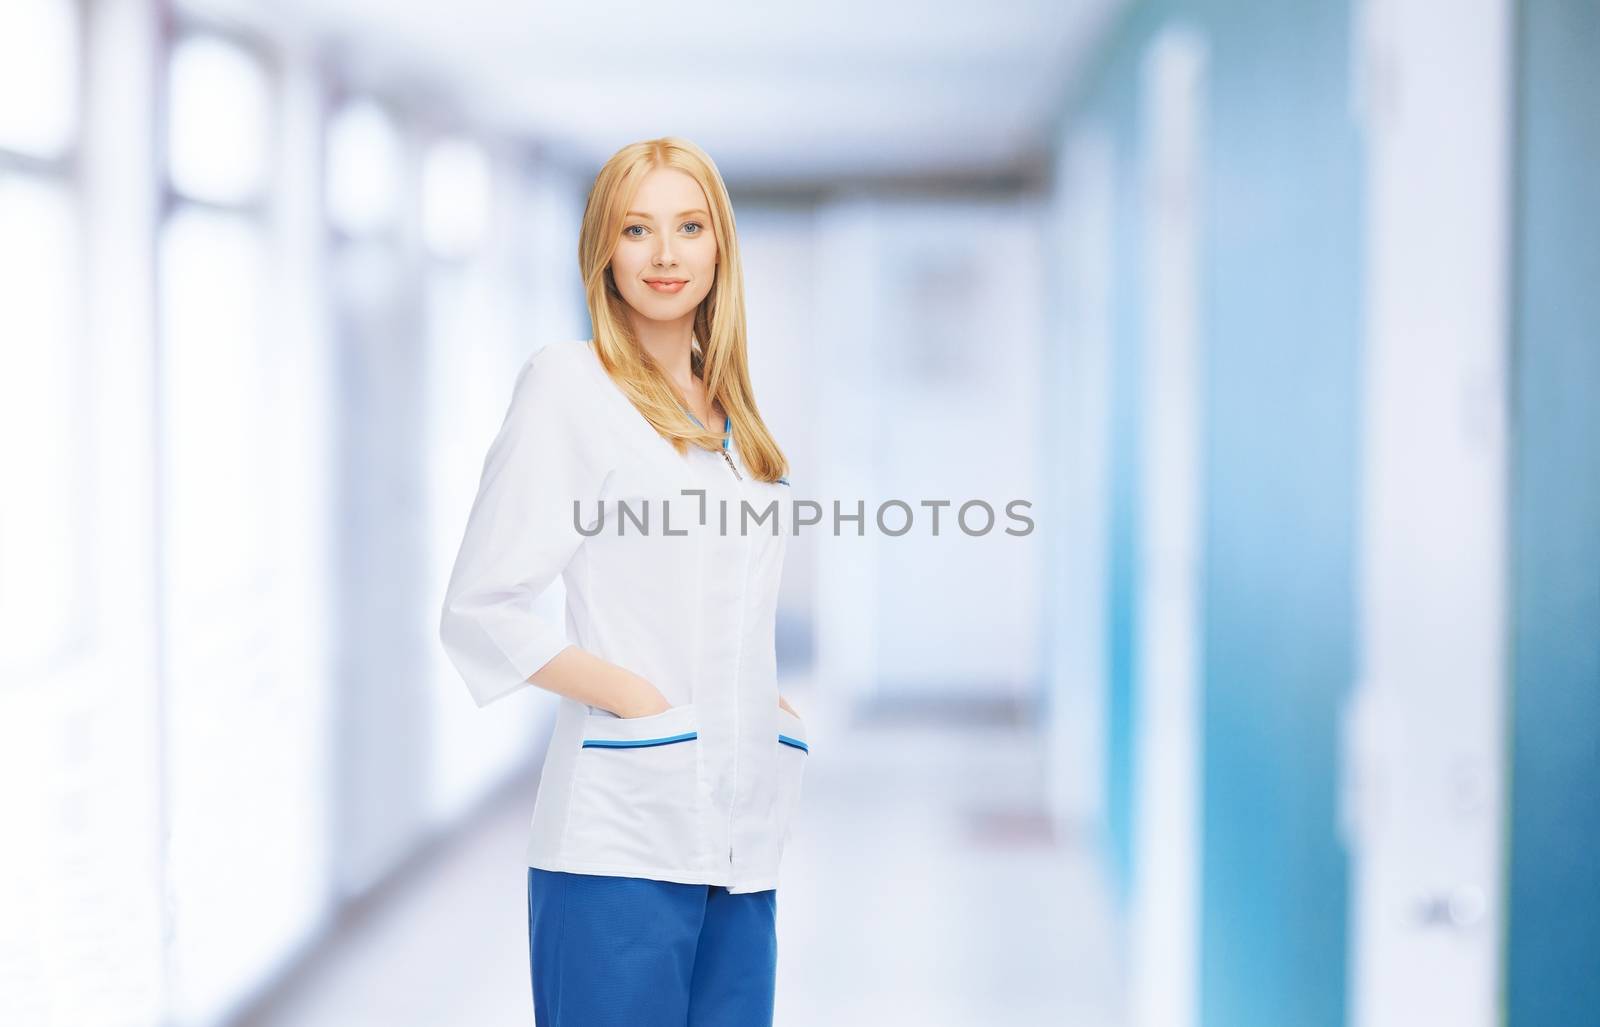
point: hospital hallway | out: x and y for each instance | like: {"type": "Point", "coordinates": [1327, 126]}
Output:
{"type": "Point", "coordinates": [923, 885]}
{"type": "Point", "coordinates": [1179, 416]}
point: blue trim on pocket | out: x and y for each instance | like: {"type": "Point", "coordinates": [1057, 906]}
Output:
{"type": "Point", "coordinates": [634, 743]}
{"type": "Point", "coordinates": [797, 743]}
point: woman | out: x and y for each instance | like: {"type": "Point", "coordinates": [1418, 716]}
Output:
{"type": "Point", "coordinates": [674, 766]}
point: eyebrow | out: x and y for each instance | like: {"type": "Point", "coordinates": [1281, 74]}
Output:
{"type": "Point", "coordinates": [684, 213]}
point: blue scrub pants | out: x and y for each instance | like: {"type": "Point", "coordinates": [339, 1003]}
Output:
{"type": "Point", "coordinates": [634, 952]}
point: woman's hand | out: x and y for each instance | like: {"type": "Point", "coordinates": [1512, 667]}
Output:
{"type": "Point", "coordinates": [642, 700]}
{"type": "Point", "coordinates": [580, 675]}
{"type": "Point", "coordinates": [646, 708]}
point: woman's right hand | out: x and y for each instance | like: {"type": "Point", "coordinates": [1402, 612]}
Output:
{"type": "Point", "coordinates": [644, 701]}
{"type": "Point", "coordinates": [584, 677]}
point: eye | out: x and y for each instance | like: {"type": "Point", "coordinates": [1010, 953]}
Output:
{"type": "Point", "coordinates": [696, 224]}
{"type": "Point", "coordinates": [629, 231]}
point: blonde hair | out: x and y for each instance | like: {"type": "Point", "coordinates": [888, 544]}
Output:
{"type": "Point", "coordinates": [718, 356]}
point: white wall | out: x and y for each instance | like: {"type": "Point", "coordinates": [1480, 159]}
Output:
{"type": "Point", "coordinates": [931, 320]}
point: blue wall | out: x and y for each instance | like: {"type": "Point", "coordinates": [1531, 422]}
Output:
{"type": "Point", "coordinates": [1553, 962]}
{"type": "Point", "coordinates": [1120, 109]}
{"type": "Point", "coordinates": [1280, 333]}
{"type": "Point", "coordinates": [1111, 102]}
{"type": "Point", "coordinates": [1282, 256]}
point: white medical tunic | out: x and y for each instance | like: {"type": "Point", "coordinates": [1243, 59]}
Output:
{"type": "Point", "coordinates": [674, 576]}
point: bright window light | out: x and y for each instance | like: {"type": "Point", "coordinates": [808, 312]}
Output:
{"type": "Point", "coordinates": [38, 76]}
{"type": "Point", "coordinates": [243, 683]}
{"type": "Point", "coordinates": [365, 162]}
{"type": "Point", "coordinates": [219, 127]}
{"type": "Point", "coordinates": [212, 268]}
{"type": "Point", "coordinates": [41, 554]}
{"type": "Point", "coordinates": [455, 197]}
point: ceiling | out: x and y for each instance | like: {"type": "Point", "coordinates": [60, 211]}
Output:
{"type": "Point", "coordinates": [781, 95]}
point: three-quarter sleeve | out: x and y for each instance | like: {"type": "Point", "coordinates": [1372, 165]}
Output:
{"type": "Point", "coordinates": [520, 534]}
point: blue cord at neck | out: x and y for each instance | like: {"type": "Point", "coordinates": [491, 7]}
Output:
{"type": "Point", "coordinates": [727, 423]}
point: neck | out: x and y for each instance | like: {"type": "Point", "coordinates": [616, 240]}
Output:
{"type": "Point", "coordinates": [669, 344]}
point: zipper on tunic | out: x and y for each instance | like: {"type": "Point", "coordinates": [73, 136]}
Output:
{"type": "Point", "coordinates": [727, 427]}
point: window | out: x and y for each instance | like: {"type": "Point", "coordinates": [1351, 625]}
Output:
{"type": "Point", "coordinates": [365, 170]}
{"type": "Point", "coordinates": [246, 691]}
{"type": "Point", "coordinates": [455, 198]}
{"type": "Point", "coordinates": [38, 77]}
{"type": "Point", "coordinates": [218, 122]}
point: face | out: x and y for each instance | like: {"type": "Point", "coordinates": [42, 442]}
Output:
{"type": "Point", "coordinates": [666, 234]}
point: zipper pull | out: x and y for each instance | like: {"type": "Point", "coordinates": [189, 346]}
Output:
{"type": "Point", "coordinates": [729, 457]}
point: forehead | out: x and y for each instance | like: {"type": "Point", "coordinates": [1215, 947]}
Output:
{"type": "Point", "coordinates": [668, 192]}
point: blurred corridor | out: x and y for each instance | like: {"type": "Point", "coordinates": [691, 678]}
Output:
{"type": "Point", "coordinates": [1281, 319]}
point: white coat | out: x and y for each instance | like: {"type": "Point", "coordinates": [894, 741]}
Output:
{"type": "Point", "coordinates": [704, 792]}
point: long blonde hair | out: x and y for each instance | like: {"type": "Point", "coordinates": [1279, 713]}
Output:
{"type": "Point", "coordinates": [719, 357]}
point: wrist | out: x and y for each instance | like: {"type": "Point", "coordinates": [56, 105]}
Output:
{"type": "Point", "coordinates": [642, 699]}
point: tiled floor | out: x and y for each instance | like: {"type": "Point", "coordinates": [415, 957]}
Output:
{"type": "Point", "coordinates": [922, 886]}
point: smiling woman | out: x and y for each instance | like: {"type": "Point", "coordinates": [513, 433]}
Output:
{"type": "Point", "coordinates": [672, 255]}
{"type": "Point", "coordinates": [664, 282]}
{"type": "Point", "coordinates": [674, 768]}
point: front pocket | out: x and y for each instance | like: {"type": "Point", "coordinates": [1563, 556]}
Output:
{"type": "Point", "coordinates": [634, 789]}
{"type": "Point", "coordinates": [792, 752]}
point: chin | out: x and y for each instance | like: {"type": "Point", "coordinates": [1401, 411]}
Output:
{"type": "Point", "coordinates": [670, 307]}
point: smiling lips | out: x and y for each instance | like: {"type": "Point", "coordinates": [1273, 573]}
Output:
{"type": "Point", "coordinates": [665, 284]}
